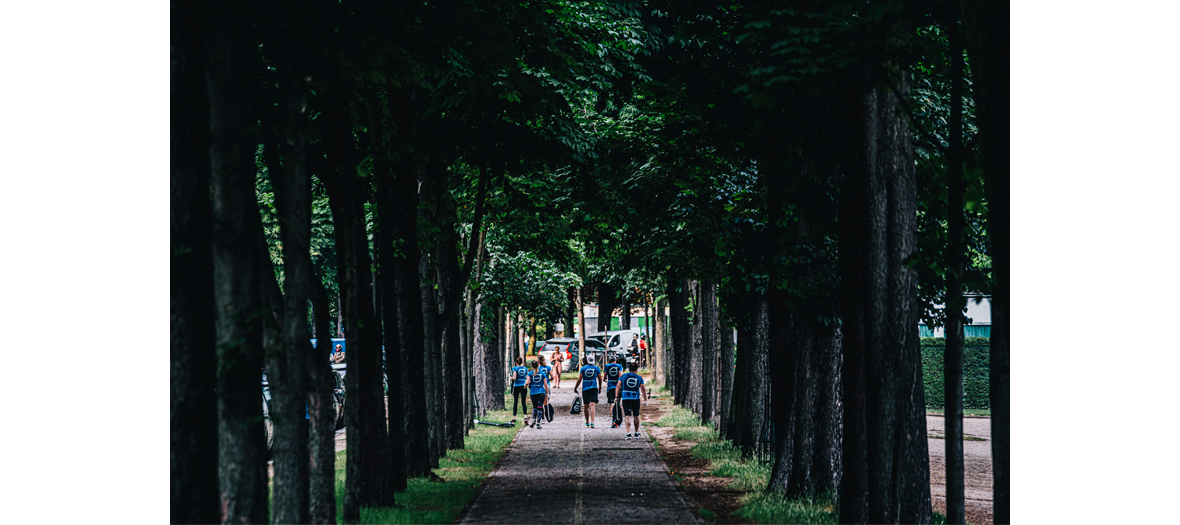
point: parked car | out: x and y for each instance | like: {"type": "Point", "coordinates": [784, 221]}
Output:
{"type": "Point", "coordinates": [568, 346]}
{"type": "Point", "coordinates": [620, 341]}
{"type": "Point", "coordinates": [595, 349]}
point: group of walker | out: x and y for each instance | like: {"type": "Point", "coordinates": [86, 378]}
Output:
{"type": "Point", "coordinates": [625, 389]}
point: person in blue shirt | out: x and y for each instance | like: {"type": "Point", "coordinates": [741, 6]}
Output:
{"type": "Point", "coordinates": [612, 372]}
{"type": "Point", "coordinates": [546, 370]}
{"type": "Point", "coordinates": [520, 375]}
{"type": "Point", "coordinates": [630, 390]}
{"type": "Point", "coordinates": [539, 392]}
{"type": "Point", "coordinates": [590, 377]}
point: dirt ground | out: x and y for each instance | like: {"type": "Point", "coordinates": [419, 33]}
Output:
{"type": "Point", "coordinates": [705, 491]}
{"type": "Point", "coordinates": [714, 494]}
{"type": "Point", "coordinates": [977, 462]}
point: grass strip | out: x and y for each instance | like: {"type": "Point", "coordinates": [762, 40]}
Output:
{"type": "Point", "coordinates": [462, 472]}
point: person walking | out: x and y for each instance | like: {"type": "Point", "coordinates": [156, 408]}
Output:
{"type": "Point", "coordinates": [539, 392]}
{"type": "Point", "coordinates": [631, 391]}
{"type": "Point", "coordinates": [557, 362]}
{"type": "Point", "coordinates": [590, 377]}
{"type": "Point", "coordinates": [520, 375]}
{"type": "Point", "coordinates": [612, 372]}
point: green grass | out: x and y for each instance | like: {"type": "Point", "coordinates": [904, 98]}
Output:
{"type": "Point", "coordinates": [678, 417]}
{"type": "Point", "coordinates": [462, 471]}
{"type": "Point", "coordinates": [706, 514]}
{"type": "Point", "coordinates": [774, 507]}
{"type": "Point", "coordinates": [984, 412]}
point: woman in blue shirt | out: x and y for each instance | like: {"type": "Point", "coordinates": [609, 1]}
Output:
{"type": "Point", "coordinates": [520, 375]}
{"type": "Point", "coordinates": [539, 392]}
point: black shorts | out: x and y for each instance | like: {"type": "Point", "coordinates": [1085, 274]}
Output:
{"type": "Point", "coordinates": [630, 407]}
{"type": "Point", "coordinates": [610, 395]}
{"type": "Point", "coordinates": [538, 399]}
{"type": "Point", "coordinates": [590, 395]}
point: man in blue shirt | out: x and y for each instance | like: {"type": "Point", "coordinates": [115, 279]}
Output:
{"type": "Point", "coordinates": [630, 390]}
{"type": "Point", "coordinates": [612, 372]}
{"type": "Point", "coordinates": [590, 377]}
{"type": "Point", "coordinates": [520, 375]}
{"type": "Point", "coordinates": [539, 392]}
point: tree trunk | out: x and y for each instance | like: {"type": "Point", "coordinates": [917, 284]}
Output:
{"type": "Point", "coordinates": [660, 371]}
{"type": "Point", "coordinates": [581, 328]}
{"type": "Point", "coordinates": [877, 235]}
{"type": "Point", "coordinates": [236, 288]}
{"type": "Point", "coordinates": [708, 310]}
{"type": "Point", "coordinates": [625, 312]}
{"type": "Point", "coordinates": [725, 421]}
{"type": "Point", "coordinates": [431, 347]}
{"type": "Point", "coordinates": [606, 306]}
{"type": "Point", "coordinates": [956, 511]}
{"type": "Point", "coordinates": [288, 372]}
{"type": "Point", "coordinates": [678, 299]}
{"type": "Point", "coordinates": [988, 45]}
{"type": "Point", "coordinates": [568, 321]}
{"type": "Point", "coordinates": [366, 480]}
{"type": "Point", "coordinates": [322, 424]}
{"type": "Point", "coordinates": [447, 266]}
{"type": "Point", "coordinates": [488, 353]}
{"type": "Point", "coordinates": [739, 401]}
{"type": "Point", "coordinates": [193, 416]}
{"type": "Point", "coordinates": [760, 436]}
{"type": "Point", "coordinates": [695, 358]}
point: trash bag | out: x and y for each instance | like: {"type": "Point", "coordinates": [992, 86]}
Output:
{"type": "Point", "coordinates": [577, 406]}
{"type": "Point", "coordinates": [549, 412]}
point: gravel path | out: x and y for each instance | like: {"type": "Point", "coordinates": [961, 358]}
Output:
{"type": "Point", "coordinates": [567, 473]}
{"type": "Point", "coordinates": [977, 463]}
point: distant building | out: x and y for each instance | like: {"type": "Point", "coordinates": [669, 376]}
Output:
{"type": "Point", "coordinates": [978, 323]}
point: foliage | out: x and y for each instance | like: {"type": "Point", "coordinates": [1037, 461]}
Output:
{"type": "Point", "coordinates": [976, 351]}
{"type": "Point", "coordinates": [527, 284]}
{"type": "Point", "coordinates": [775, 507]}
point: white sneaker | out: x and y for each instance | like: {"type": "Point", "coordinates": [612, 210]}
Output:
{"type": "Point", "coordinates": [628, 436]}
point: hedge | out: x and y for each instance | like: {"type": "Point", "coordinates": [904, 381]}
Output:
{"type": "Point", "coordinates": [975, 371]}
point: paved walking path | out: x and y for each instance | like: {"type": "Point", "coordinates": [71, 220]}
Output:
{"type": "Point", "coordinates": [567, 473]}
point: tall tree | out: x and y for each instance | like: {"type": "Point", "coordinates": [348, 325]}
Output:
{"type": "Point", "coordinates": [193, 358]}
{"type": "Point", "coordinates": [231, 57]}
{"type": "Point", "coordinates": [988, 45]}
{"type": "Point", "coordinates": [882, 368]}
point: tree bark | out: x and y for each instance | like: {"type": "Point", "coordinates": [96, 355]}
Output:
{"type": "Point", "coordinates": [193, 419]}
{"type": "Point", "coordinates": [432, 348]}
{"type": "Point", "coordinates": [625, 311]}
{"type": "Point", "coordinates": [581, 327]}
{"type": "Point", "coordinates": [660, 373]}
{"type": "Point", "coordinates": [322, 425]}
{"type": "Point", "coordinates": [760, 436]}
{"type": "Point", "coordinates": [606, 306]}
{"type": "Point", "coordinates": [678, 299]}
{"type": "Point", "coordinates": [708, 310]}
{"type": "Point", "coordinates": [877, 235]}
{"type": "Point", "coordinates": [725, 421]}
{"type": "Point", "coordinates": [739, 402]}
{"type": "Point", "coordinates": [449, 284]}
{"type": "Point", "coordinates": [236, 265]}
{"type": "Point", "coordinates": [956, 511]}
{"type": "Point", "coordinates": [288, 372]}
{"type": "Point", "coordinates": [988, 45]}
{"type": "Point", "coordinates": [388, 275]}
{"type": "Point", "coordinates": [366, 482]}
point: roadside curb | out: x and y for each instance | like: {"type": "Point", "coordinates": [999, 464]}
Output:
{"type": "Point", "coordinates": [487, 479]}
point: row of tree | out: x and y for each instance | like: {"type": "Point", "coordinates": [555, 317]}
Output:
{"type": "Point", "coordinates": [432, 180]}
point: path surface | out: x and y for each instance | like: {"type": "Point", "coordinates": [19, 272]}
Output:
{"type": "Point", "coordinates": [977, 460]}
{"type": "Point", "coordinates": [567, 473]}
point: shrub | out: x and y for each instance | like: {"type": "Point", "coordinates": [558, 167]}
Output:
{"type": "Point", "coordinates": [975, 371]}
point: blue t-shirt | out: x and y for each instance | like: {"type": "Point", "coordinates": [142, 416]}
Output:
{"type": "Point", "coordinates": [613, 371]}
{"type": "Point", "coordinates": [631, 383]}
{"type": "Point", "coordinates": [590, 376]}
{"type": "Point", "coordinates": [546, 371]}
{"type": "Point", "coordinates": [537, 383]}
{"type": "Point", "coordinates": [520, 375]}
